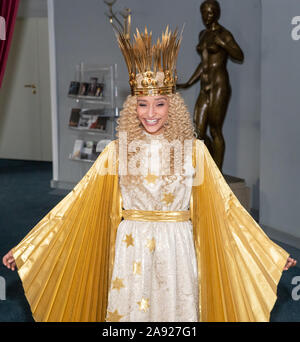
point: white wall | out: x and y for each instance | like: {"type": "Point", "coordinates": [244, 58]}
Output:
{"type": "Point", "coordinates": [280, 120]}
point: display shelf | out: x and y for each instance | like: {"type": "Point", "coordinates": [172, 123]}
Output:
{"type": "Point", "coordinates": [90, 99]}
{"type": "Point", "coordinates": [91, 80]}
{"type": "Point", "coordinates": [92, 119]}
{"type": "Point", "coordinates": [90, 132]}
{"type": "Point", "coordinates": [88, 150]}
{"type": "Point", "coordinates": [81, 160]}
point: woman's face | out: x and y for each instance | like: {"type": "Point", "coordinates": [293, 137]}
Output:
{"type": "Point", "coordinates": [153, 112]}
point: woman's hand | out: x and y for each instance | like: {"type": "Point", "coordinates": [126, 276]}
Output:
{"type": "Point", "coordinates": [290, 263]}
{"type": "Point", "coordinates": [9, 261]}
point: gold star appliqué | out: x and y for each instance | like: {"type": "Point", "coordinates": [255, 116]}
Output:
{"type": "Point", "coordinates": [168, 198]}
{"type": "Point", "coordinates": [137, 268]}
{"type": "Point", "coordinates": [118, 284]}
{"type": "Point", "coordinates": [113, 316]}
{"type": "Point", "coordinates": [144, 305]}
{"type": "Point", "coordinates": [129, 240]}
{"type": "Point", "coordinates": [151, 245]}
{"type": "Point", "coordinates": [151, 178]}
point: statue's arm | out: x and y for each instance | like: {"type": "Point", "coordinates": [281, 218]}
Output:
{"type": "Point", "coordinates": [227, 42]}
{"type": "Point", "coordinates": [197, 73]}
{"type": "Point", "coordinates": [196, 76]}
{"type": "Point", "coordinates": [193, 79]}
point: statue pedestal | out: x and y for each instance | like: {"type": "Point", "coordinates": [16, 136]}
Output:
{"type": "Point", "coordinates": [241, 191]}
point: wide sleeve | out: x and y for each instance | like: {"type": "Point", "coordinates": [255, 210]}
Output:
{"type": "Point", "coordinates": [65, 261]}
{"type": "Point", "coordinates": [239, 267]}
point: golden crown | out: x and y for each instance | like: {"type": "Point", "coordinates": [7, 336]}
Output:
{"type": "Point", "coordinates": [152, 68]}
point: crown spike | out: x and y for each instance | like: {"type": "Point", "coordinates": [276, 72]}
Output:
{"type": "Point", "coordinates": [151, 66]}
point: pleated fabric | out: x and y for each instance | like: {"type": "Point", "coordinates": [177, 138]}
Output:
{"type": "Point", "coordinates": [239, 267]}
{"type": "Point", "coordinates": [64, 261]}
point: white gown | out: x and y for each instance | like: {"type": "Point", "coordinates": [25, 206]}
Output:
{"type": "Point", "coordinates": [155, 276]}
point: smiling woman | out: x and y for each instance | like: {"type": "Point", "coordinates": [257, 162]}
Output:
{"type": "Point", "coordinates": [150, 246]}
{"type": "Point", "coordinates": [170, 111]}
{"type": "Point", "coordinates": [153, 113]}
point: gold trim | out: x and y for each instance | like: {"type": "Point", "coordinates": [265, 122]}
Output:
{"type": "Point", "coordinates": [156, 215]}
{"type": "Point", "coordinates": [153, 91]}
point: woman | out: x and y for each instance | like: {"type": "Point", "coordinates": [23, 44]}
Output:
{"type": "Point", "coordinates": [186, 250]}
{"type": "Point", "coordinates": [150, 255]}
{"type": "Point", "coordinates": [216, 45]}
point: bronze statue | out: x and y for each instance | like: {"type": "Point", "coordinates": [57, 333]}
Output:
{"type": "Point", "coordinates": [215, 45]}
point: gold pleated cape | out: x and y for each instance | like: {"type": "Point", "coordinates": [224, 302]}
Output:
{"type": "Point", "coordinates": [65, 262]}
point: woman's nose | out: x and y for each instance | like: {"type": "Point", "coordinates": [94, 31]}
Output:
{"type": "Point", "coordinates": [151, 112]}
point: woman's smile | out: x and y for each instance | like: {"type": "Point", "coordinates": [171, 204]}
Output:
{"type": "Point", "coordinates": [153, 113]}
{"type": "Point", "coordinates": [151, 122]}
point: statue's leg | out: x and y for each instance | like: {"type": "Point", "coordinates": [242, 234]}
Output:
{"type": "Point", "coordinates": [201, 119]}
{"type": "Point", "coordinates": [217, 111]}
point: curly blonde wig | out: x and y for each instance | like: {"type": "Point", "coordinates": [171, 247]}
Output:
{"type": "Point", "coordinates": [179, 125]}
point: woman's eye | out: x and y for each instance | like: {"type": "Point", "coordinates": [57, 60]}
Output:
{"type": "Point", "coordinates": [160, 104]}
{"type": "Point", "coordinates": [142, 105]}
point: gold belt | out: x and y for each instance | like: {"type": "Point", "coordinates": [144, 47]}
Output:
{"type": "Point", "coordinates": [156, 215]}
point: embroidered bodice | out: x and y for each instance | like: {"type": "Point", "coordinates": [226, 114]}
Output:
{"type": "Point", "coordinates": [152, 190]}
